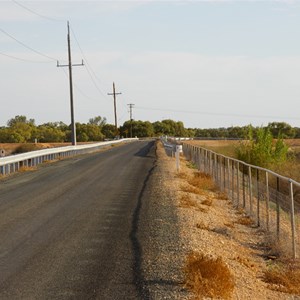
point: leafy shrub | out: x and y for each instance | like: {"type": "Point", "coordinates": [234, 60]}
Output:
{"type": "Point", "coordinates": [263, 150]}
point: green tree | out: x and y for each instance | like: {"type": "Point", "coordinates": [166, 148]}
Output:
{"type": "Point", "coordinates": [88, 133]}
{"type": "Point", "coordinates": [283, 129]}
{"type": "Point", "coordinates": [139, 128]}
{"type": "Point", "coordinates": [262, 150]}
{"type": "Point", "coordinates": [108, 130]}
{"type": "Point", "coordinates": [99, 121]}
{"type": "Point", "coordinates": [21, 129]}
{"type": "Point", "coordinates": [50, 134]}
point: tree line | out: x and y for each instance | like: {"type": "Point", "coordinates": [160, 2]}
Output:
{"type": "Point", "coordinates": [20, 129]}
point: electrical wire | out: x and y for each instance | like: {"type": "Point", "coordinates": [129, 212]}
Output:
{"type": "Point", "coordinates": [89, 67]}
{"type": "Point", "coordinates": [27, 47]}
{"type": "Point", "coordinates": [24, 60]}
{"type": "Point", "coordinates": [78, 89]}
{"type": "Point", "coordinates": [216, 114]}
{"type": "Point", "coordinates": [37, 14]}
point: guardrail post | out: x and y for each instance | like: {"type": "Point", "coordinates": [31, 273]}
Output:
{"type": "Point", "coordinates": [277, 208]}
{"type": "Point", "coordinates": [228, 176]}
{"type": "Point", "coordinates": [258, 196]}
{"type": "Point", "coordinates": [238, 184]}
{"type": "Point", "coordinates": [244, 187]}
{"type": "Point", "coordinates": [224, 174]}
{"type": "Point", "coordinates": [210, 164]}
{"type": "Point", "coordinates": [267, 202]}
{"type": "Point", "coordinates": [250, 190]}
{"type": "Point", "coordinates": [293, 220]}
{"type": "Point", "coordinates": [215, 168]}
{"type": "Point", "coordinates": [232, 178]}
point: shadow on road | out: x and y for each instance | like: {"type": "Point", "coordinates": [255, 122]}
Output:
{"type": "Point", "coordinates": [144, 152]}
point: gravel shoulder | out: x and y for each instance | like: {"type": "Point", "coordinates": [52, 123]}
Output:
{"type": "Point", "coordinates": [213, 229]}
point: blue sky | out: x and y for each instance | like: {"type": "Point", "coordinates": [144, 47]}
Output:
{"type": "Point", "coordinates": [206, 63]}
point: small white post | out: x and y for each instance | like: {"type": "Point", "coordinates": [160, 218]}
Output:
{"type": "Point", "coordinates": [177, 156]}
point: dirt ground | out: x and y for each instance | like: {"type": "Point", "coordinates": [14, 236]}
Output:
{"type": "Point", "coordinates": [209, 224]}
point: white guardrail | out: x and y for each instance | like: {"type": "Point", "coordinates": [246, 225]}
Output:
{"type": "Point", "coordinates": [13, 163]}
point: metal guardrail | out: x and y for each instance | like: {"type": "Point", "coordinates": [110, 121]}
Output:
{"type": "Point", "coordinates": [13, 163]}
{"type": "Point", "coordinates": [270, 199]}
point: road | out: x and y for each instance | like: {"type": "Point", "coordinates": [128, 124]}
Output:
{"type": "Point", "coordinates": [69, 229]}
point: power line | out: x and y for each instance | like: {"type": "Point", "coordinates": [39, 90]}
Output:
{"type": "Point", "coordinates": [38, 14]}
{"type": "Point", "coordinates": [24, 45]}
{"type": "Point", "coordinates": [89, 67]}
{"type": "Point", "coordinates": [80, 90]}
{"type": "Point", "coordinates": [24, 60]}
{"type": "Point", "coordinates": [216, 114]}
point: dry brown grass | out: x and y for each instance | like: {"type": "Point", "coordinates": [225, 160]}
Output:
{"type": "Point", "coordinates": [208, 277]}
{"type": "Point", "coordinates": [202, 225]}
{"type": "Point", "coordinates": [207, 202]}
{"type": "Point", "coordinates": [245, 220]}
{"type": "Point", "coordinates": [277, 248]}
{"type": "Point", "coordinates": [284, 277]}
{"type": "Point", "coordinates": [182, 175]}
{"type": "Point", "coordinates": [27, 169]}
{"type": "Point", "coordinates": [191, 189]}
{"type": "Point", "coordinates": [202, 181]}
{"type": "Point", "coordinates": [229, 225]}
{"type": "Point", "coordinates": [221, 195]}
{"type": "Point", "coordinates": [244, 261]}
{"type": "Point", "coordinates": [186, 201]}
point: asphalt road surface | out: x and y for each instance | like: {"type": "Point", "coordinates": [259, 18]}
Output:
{"type": "Point", "coordinates": [69, 229]}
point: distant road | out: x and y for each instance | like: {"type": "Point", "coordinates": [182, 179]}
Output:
{"type": "Point", "coordinates": [68, 230]}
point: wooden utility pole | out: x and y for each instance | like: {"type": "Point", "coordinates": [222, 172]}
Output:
{"type": "Point", "coordinates": [131, 105]}
{"type": "Point", "coordinates": [115, 104]}
{"type": "Point", "coordinates": [73, 126]}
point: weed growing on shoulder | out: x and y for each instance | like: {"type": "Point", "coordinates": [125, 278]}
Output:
{"type": "Point", "coordinates": [207, 202]}
{"type": "Point", "coordinates": [202, 181]}
{"type": "Point", "coordinates": [208, 277]}
{"type": "Point", "coordinates": [284, 277]}
{"type": "Point", "coordinates": [191, 165]}
{"type": "Point", "coordinates": [202, 225]}
{"type": "Point", "coordinates": [245, 220]}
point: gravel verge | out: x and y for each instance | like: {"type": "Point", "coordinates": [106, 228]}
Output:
{"type": "Point", "coordinates": [163, 250]}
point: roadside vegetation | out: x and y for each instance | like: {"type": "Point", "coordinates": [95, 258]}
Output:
{"type": "Point", "coordinates": [209, 275]}
{"type": "Point", "coordinates": [199, 193]}
{"type": "Point", "coordinates": [20, 129]}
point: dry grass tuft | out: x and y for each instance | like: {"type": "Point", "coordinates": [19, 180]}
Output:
{"type": "Point", "coordinates": [284, 277]}
{"type": "Point", "coordinates": [182, 175]}
{"type": "Point", "coordinates": [208, 277]}
{"type": "Point", "coordinates": [245, 261]}
{"type": "Point", "coordinates": [202, 181]}
{"type": "Point", "coordinates": [277, 248]}
{"type": "Point", "coordinates": [229, 224]}
{"type": "Point", "coordinates": [207, 202]}
{"type": "Point", "coordinates": [191, 189]}
{"type": "Point", "coordinates": [240, 211]}
{"type": "Point", "coordinates": [202, 225]}
{"type": "Point", "coordinates": [27, 169]}
{"type": "Point", "coordinates": [221, 196]}
{"type": "Point", "coordinates": [245, 220]}
{"type": "Point", "coordinates": [191, 165]}
{"type": "Point", "coordinates": [186, 201]}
